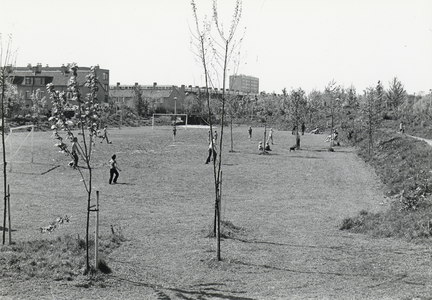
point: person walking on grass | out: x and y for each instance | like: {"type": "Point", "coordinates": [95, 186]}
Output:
{"type": "Point", "coordinates": [270, 137]}
{"type": "Point", "coordinates": [401, 127]}
{"type": "Point", "coordinates": [113, 170]}
{"type": "Point", "coordinates": [105, 136]}
{"type": "Point", "coordinates": [250, 132]}
{"type": "Point", "coordinates": [75, 151]}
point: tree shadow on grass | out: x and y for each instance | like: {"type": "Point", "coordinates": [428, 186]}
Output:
{"type": "Point", "coordinates": [395, 277]}
{"type": "Point", "coordinates": [206, 293]}
{"type": "Point", "coordinates": [6, 229]}
{"type": "Point", "coordinates": [287, 245]}
{"type": "Point", "coordinates": [299, 156]}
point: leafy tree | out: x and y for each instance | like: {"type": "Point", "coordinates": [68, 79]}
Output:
{"type": "Point", "coordinates": [350, 112]}
{"type": "Point", "coordinates": [40, 106]}
{"type": "Point", "coordinates": [332, 103]}
{"type": "Point", "coordinates": [380, 93]}
{"type": "Point", "coordinates": [395, 94]}
{"type": "Point", "coordinates": [297, 110]}
{"type": "Point", "coordinates": [88, 112]}
{"type": "Point", "coordinates": [141, 105]}
{"type": "Point", "coordinates": [371, 109]}
{"type": "Point", "coordinates": [193, 105]}
{"type": "Point", "coordinates": [315, 109]}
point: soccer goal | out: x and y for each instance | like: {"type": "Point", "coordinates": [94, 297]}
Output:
{"type": "Point", "coordinates": [19, 143]}
{"type": "Point", "coordinates": [168, 119]}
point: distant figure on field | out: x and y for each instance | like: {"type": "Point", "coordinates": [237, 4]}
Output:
{"type": "Point", "coordinates": [270, 137]}
{"type": "Point", "coordinates": [294, 129]}
{"type": "Point", "coordinates": [267, 147]}
{"type": "Point", "coordinates": [250, 132]}
{"type": "Point", "coordinates": [401, 127]}
{"type": "Point", "coordinates": [174, 131]}
{"type": "Point", "coordinates": [105, 135]}
{"type": "Point", "coordinates": [260, 146]}
{"type": "Point", "coordinates": [303, 128]}
{"type": "Point", "coordinates": [113, 170]}
{"type": "Point", "coordinates": [215, 136]}
{"type": "Point", "coordinates": [315, 131]}
{"type": "Point", "coordinates": [75, 151]}
{"type": "Point", "coordinates": [211, 151]}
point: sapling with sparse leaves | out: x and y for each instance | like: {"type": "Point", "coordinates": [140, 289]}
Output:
{"type": "Point", "coordinates": [88, 113]}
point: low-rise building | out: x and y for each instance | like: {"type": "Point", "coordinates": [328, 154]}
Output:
{"type": "Point", "coordinates": [168, 97]}
{"type": "Point", "coordinates": [32, 80]}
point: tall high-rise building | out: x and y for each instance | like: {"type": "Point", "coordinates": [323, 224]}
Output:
{"type": "Point", "coordinates": [245, 84]}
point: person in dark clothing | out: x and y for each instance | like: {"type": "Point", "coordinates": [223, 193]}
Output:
{"type": "Point", "coordinates": [113, 170]}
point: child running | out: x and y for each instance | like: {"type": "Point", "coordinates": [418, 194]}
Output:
{"type": "Point", "coordinates": [113, 170]}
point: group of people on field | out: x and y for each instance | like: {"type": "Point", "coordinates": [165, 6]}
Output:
{"type": "Point", "coordinates": [76, 152]}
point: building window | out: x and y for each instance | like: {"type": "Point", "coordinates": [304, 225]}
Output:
{"type": "Point", "coordinates": [28, 80]}
{"type": "Point", "coordinates": [105, 76]}
{"type": "Point", "coordinates": [27, 94]}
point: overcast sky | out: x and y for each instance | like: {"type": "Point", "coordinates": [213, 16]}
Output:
{"type": "Point", "coordinates": [287, 43]}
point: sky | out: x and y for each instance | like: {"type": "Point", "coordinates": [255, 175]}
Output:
{"type": "Point", "coordinates": [285, 43]}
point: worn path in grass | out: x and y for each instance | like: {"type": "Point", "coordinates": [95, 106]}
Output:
{"type": "Point", "coordinates": [288, 207]}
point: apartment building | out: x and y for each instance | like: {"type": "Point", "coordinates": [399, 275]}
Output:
{"type": "Point", "coordinates": [33, 80]}
{"type": "Point", "coordinates": [243, 83]}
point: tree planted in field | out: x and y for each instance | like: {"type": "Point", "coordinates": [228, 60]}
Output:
{"type": "Point", "coordinates": [297, 107]}
{"type": "Point", "coordinates": [332, 102]}
{"type": "Point", "coordinates": [215, 53]}
{"type": "Point", "coordinates": [371, 109]}
{"type": "Point", "coordinates": [395, 94]}
{"type": "Point", "coordinates": [88, 112]}
{"type": "Point", "coordinates": [6, 66]}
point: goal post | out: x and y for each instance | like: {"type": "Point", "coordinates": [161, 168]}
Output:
{"type": "Point", "coordinates": [15, 141]}
{"type": "Point", "coordinates": [167, 119]}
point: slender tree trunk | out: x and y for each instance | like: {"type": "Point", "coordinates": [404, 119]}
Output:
{"type": "Point", "coordinates": [3, 81]}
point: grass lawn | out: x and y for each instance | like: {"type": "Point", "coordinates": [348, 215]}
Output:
{"type": "Point", "coordinates": [283, 209]}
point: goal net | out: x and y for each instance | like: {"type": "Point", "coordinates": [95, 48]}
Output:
{"type": "Point", "coordinates": [19, 145]}
{"type": "Point", "coordinates": [169, 120]}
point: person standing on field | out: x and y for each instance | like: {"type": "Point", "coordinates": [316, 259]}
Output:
{"type": "Point", "coordinates": [250, 132]}
{"type": "Point", "coordinates": [211, 151]}
{"type": "Point", "coordinates": [114, 174]}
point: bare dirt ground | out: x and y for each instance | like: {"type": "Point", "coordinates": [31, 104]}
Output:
{"type": "Point", "coordinates": [288, 207]}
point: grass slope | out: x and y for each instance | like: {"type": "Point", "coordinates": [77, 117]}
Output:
{"type": "Point", "coordinates": [404, 166]}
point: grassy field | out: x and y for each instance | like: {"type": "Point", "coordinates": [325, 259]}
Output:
{"type": "Point", "coordinates": [283, 212]}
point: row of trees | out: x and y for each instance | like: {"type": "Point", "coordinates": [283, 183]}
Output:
{"type": "Point", "coordinates": [296, 106]}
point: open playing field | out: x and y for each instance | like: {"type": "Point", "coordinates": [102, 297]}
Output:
{"type": "Point", "coordinates": [286, 206]}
